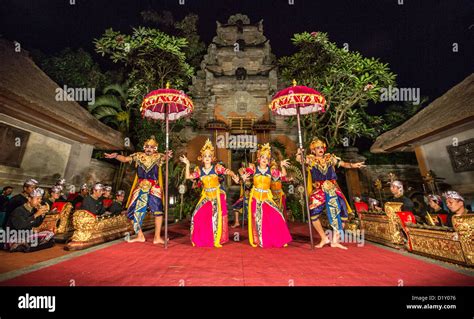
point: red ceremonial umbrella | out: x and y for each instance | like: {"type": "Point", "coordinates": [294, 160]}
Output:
{"type": "Point", "coordinates": [168, 105]}
{"type": "Point", "coordinates": [299, 100]}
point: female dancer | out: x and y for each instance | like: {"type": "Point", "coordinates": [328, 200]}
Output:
{"type": "Point", "coordinates": [267, 226]}
{"type": "Point", "coordinates": [209, 220]}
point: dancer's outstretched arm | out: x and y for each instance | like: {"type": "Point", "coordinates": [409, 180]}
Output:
{"type": "Point", "coordinates": [234, 176]}
{"type": "Point", "coordinates": [284, 164]}
{"type": "Point", "coordinates": [187, 172]}
{"type": "Point", "coordinates": [352, 165]}
{"type": "Point", "coordinates": [118, 157]}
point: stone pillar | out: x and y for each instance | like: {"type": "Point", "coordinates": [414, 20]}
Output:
{"type": "Point", "coordinates": [78, 164]}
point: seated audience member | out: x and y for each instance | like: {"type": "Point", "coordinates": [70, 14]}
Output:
{"type": "Point", "coordinates": [19, 199]}
{"type": "Point", "coordinates": [77, 201]}
{"type": "Point", "coordinates": [92, 202]}
{"type": "Point", "coordinates": [117, 206]}
{"type": "Point", "coordinates": [24, 218]}
{"type": "Point", "coordinates": [455, 203]}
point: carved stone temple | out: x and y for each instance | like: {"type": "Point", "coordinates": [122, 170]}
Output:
{"type": "Point", "coordinates": [231, 93]}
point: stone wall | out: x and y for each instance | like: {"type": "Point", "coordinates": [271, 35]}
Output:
{"type": "Point", "coordinates": [49, 156]}
{"type": "Point", "coordinates": [100, 171]}
{"type": "Point", "coordinates": [437, 159]}
{"type": "Point", "coordinates": [46, 157]}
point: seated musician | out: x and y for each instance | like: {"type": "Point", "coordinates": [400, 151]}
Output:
{"type": "Point", "coordinates": [4, 199]}
{"type": "Point", "coordinates": [117, 205]}
{"type": "Point", "coordinates": [396, 188]}
{"type": "Point", "coordinates": [16, 201]}
{"type": "Point", "coordinates": [92, 202]}
{"type": "Point", "coordinates": [107, 197]}
{"type": "Point", "coordinates": [77, 201]}
{"type": "Point", "coordinates": [374, 205]}
{"type": "Point", "coordinates": [455, 203]}
{"type": "Point", "coordinates": [53, 196]}
{"type": "Point", "coordinates": [24, 218]}
{"type": "Point", "coordinates": [107, 192]}
{"type": "Point", "coordinates": [61, 184]}
{"type": "Point", "coordinates": [435, 202]}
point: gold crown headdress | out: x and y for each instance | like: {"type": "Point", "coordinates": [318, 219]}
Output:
{"type": "Point", "coordinates": [264, 149]}
{"type": "Point", "coordinates": [317, 142]}
{"type": "Point", "coordinates": [151, 141]}
{"type": "Point", "coordinates": [207, 147]}
{"type": "Point", "coordinates": [273, 163]}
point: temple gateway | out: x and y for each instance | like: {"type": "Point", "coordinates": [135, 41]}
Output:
{"type": "Point", "coordinates": [231, 93]}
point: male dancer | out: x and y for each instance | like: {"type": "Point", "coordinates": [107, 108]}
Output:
{"type": "Point", "coordinates": [324, 192]}
{"type": "Point", "coordinates": [146, 192]}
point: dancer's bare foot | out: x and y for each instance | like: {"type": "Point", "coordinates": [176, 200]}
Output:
{"type": "Point", "coordinates": [235, 225]}
{"type": "Point", "coordinates": [138, 239]}
{"type": "Point", "coordinates": [337, 245]}
{"type": "Point", "coordinates": [159, 241]}
{"type": "Point", "coordinates": [322, 243]}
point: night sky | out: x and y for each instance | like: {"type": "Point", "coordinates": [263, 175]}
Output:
{"type": "Point", "coordinates": [415, 38]}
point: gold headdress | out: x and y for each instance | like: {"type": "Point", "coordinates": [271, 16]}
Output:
{"type": "Point", "coordinates": [264, 149]}
{"type": "Point", "coordinates": [273, 163]}
{"type": "Point", "coordinates": [317, 142]}
{"type": "Point", "coordinates": [151, 141]}
{"type": "Point", "coordinates": [207, 147]}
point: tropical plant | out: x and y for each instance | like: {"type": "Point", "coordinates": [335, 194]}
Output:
{"type": "Point", "coordinates": [294, 205]}
{"type": "Point", "coordinates": [186, 28]}
{"type": "Point", "coordinates": [112, 108]}
{"type": "Point", "coordinates": [348, 81]}
{"type": "Point", "coordinates": [74, 68]}
{"type": "Point", "coordinates": [153, 58]}
{"type": "Point", "coordinates": [396, 114]}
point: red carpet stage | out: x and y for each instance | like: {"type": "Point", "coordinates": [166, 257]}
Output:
{"type": "Point", "coordinates": [238, 264]}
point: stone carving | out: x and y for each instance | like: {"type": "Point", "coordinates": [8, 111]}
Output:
{"type": "Point", "coordinates": [462, 156]}
{"type": "Point", "coordinates": [238, 17]}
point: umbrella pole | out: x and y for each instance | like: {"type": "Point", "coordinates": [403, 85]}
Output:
{"type": "Point", "coordinates": [166, 175]}
{"type": "Point", "coordinates": [300, 140]}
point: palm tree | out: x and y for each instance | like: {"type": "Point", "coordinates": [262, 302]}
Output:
{"type": "Point", "coordinates": [113, 108]}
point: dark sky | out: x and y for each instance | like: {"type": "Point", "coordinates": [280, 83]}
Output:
{"type": "Point", "coordinates": [415, 38]}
